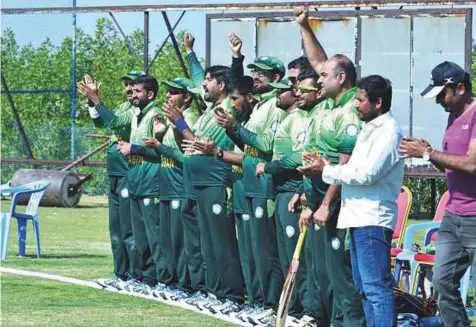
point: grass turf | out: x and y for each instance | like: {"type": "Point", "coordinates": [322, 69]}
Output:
{"type": "Point", "coordinates": [75, 243]}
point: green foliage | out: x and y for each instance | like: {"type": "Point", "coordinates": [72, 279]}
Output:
{"type": "Point", "coordinates": [46, 117]}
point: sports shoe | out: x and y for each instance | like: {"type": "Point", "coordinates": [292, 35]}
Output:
{"type": "Point", "coordinates": [161, 291]}
{"type": "Point", "coordinates": [245, 311]}
{"type": "Point", "coordinates": [228, 307]}
{"type": "Point", "coordinates": [114, 282]}
{"type": "Point", "coordinates": [307, 321]}
{"type": "Point", "coordinates": [138, 287]}
{"type": "Point", "coordinates": [178, 295]}
{"type": "Point", "coordinates": [265, 317]}
{"type": "Point", "coordinates": [210, 303]}
{"type": "Point", "coordinates": [196, 298]}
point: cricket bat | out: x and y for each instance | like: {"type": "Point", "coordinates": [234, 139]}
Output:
{"type": "Point", "coordinates": [288, 287]}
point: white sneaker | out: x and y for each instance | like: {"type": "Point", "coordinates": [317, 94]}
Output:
{"type": "Point", "coordinates": [161, 291]}
{"type": "Point", "coordinates": [179, 295]}
{"type": "Point", "coordinates": [114, 282]}
{"type": "Point", "coordinates": [196, 298]}
{"type": "Point", "coordinates": [245, 311]}
{"type": "Point", "coordinates": [228, 307]}
{"type": "Point", "coordinates": [136, 286]}
{"type": "Point", "coordinates": [264, 317]}
{"type": "Point", "coordinates": [307, 321]}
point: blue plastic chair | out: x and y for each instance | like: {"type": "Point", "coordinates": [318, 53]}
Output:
{"type": "Point", "coordinates": [36, 191]}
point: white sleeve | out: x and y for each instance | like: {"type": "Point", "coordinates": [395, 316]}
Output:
{"type": "Point", "coordinates": [93, 113]}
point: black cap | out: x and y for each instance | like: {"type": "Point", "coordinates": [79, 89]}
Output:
{"type": "Point", "coordinates": [446, 73]}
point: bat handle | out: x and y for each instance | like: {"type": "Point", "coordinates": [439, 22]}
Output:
{"type": "Point", "coordinates": [300, 243]}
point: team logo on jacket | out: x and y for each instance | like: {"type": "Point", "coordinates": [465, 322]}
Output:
{"type": "Point", "coordinates": [125, 193]}
{"type": "Point", "coordinates": [259, 212]}
{"type": "Point", "coordinates": [245, 217]}
{"type": "Point", "coordinates": [175, 204]}
{"type": "Point", "coordinates": [217, 209]}
{"type": "Point", "coordinates": [290, 231]}
{"type": "Point", "coordinates": [335, 243]}
{"type": "Point", "coordinates": [352, 130]}
{"type": "Point", "coordinates": [301, 138]}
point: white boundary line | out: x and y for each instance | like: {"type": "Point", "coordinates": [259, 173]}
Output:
{"type": "Point", "coordinates": [80, 282]}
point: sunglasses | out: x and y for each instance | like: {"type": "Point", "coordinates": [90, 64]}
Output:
{"type": "Point", "coordinates": [307, 89]}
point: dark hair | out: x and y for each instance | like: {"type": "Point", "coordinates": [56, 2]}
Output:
{"type": "Point", "coordinates": [466, 80]}
{"type": "Point", "coordinates": [347, 66]}
{"type": "Point", "coordinates": [309, 73]}
{"type": "Point", "coordinates": [301, 63]}
{"type": "Point", "coordinates": [222, 74]}
{"type": "Point", "coordinates": [149, 83]}
{"type": "Point", "coordinates": [377, 86]}
{"type": "Point", "coordinates": [242, 85]}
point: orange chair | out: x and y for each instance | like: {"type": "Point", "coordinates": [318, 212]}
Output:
{"type": "Point", "coordinates": [404, 203]}
{"type": "Point", "coordinates": [416, 259]}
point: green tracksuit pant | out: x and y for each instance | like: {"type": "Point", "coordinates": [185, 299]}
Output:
{"type": "Point", "coordinates": [146, 224]}
{"type": "Point", "coordinates": [192, 245]}
{"type": "Point", "coordinates": [172, 240]}
{"type": "Point", "coordinates": [243, 228]}
{"type": "Point", "coordinates": [219, 245]}
{"type": "Point", "coordinates": [287, 224]}
{"type": "Point", "coordinates": [265, 251]}
{"type": "Point", "coordinates": [124, 251]}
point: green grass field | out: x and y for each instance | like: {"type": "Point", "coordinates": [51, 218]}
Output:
{"type": "Point", "coordinates": [75, 243]}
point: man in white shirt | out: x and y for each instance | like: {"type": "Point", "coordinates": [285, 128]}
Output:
{"type": "Point", "coordinates": [371, 183]}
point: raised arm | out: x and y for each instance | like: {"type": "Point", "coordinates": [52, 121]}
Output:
{"type": "Point", "coordinates": [314, 50]}
{"type": "Point", "coordinates": [196, 70]}
{"type": "Point", "coordinates": [236, 57]}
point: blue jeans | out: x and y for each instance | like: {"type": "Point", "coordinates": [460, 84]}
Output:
{"type": "Point", "coordinates": [455, 252]}
{"type": "Point", "coordinates": [370, 259]}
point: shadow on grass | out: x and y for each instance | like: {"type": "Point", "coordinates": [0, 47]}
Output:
{"type": "Point", "coordinates": [90, 206]}
{"type": "Point", "coordinates": [59, 256]}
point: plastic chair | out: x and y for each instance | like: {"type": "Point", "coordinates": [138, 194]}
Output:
{"type": "Point", "coordinates": [406, 255]}
{"type": "Point", "coordinates": [404, 203]}
{"type": "Point", "coordinates": [36, 191]}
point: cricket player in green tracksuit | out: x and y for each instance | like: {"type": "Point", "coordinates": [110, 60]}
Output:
{"type": "Point", "coordinates": [209, 180]}
{"type": "Point", "coordinates": [258, 135]}
{"type": "Point", "coordinates": [242, 100]}
{"type": "Point", "coordinates": [124, 251]}
{"type": "Point", "coordinates": [184, 271]}
{"type": "Point", "coordinates": [144, 181]}
{"type": "Point", "coordinates": [320, 295]}
{"type": "Point", "coordinates": [287, 156]}
{"type": "Point", "coordinates": [338, 129]}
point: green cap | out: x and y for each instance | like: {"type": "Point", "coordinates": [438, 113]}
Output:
{"type": "Point", "coordinates": [133, 75]}
{"type": "Point", "coordinates": [268, 63]}
{"type": "Point", "coordinates": [183, 84]}
{"type": "Point", "coordinates": [283, 84]}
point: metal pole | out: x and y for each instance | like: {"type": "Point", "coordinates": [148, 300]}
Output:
{"type": "Point", "coordinates": [146, 41]}
{"type": "Point", "coordinates": [200, 105]}
{"type": "Point", "coordinates": [126, 39]}
{"type": "Point", "coordinates": [166, 39]}
{"type": "Point", "coordinates": [175, 44]}
{"type": "Point", "coordinates": [73, 86]}
{"type": "Point", "coordinates": [350, 4]}
{"type": "Point", "coordinates": [16, 116]}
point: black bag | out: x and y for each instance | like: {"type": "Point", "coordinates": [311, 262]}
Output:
{"type": "Point", "coordinates": [407, 303]}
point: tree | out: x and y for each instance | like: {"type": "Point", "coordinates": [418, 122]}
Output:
{"type": "Point", "coordinates": [46, 117]}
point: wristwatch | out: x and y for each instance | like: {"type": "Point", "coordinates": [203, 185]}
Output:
{"type": "Point", "coordinates": [219, 154]}
{"type": "Point", "coordinates": [427, 154]}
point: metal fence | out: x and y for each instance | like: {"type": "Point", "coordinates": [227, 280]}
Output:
{"type": "Point", "coordinates": [402, 44]}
